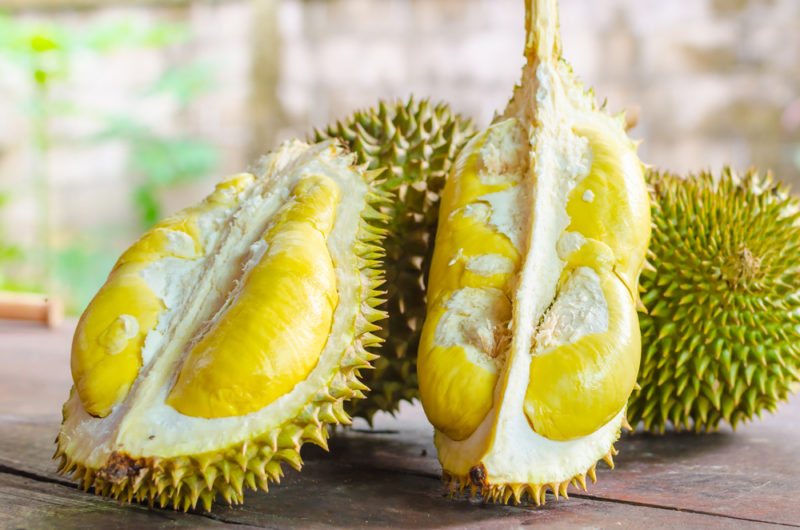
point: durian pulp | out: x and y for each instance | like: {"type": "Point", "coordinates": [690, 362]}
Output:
{"type": "Point", "coordinates": [195, 295]}
{"type": "Point", "coordinates": [556, 159]}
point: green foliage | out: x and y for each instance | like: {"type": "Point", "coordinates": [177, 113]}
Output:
{"type": "Point", "coordinates": [158, 161]}
{"type": "Point", "coordinates": [43, 53]}
{"type": "Point", "coordinates": [8, 253]}
{"type": "Point", "coordinates": [83, 265]}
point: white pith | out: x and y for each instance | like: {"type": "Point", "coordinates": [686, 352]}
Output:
{"type": "Point", "coordinates": [579, 310]}
{"type": "Point", "coordinates": [490, 264]}
{"type": "Point", "coordinates": [470, 321]}
{"type": "Point", "coordinates": [556, 159]}
{"type": "Point", "coordinates": [143, 425]}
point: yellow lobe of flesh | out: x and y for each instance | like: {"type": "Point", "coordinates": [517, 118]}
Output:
{"type": "Point", "coordinates": [611, 204]}
{"type": "Point", "coordinates": [577, 388]}
{"type": "Point", "coordinates": [457, 393]}
{"type": "Point", "coordinates": [106, 347]}
{"type": "Point", "coordinates": [271, 337]}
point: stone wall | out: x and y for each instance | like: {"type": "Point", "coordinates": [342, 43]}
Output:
{"type": "Point", "coordinates": [714, 82]}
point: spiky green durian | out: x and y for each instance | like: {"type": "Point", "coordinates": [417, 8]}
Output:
{"type": "Point", "coordinates": [721, 340]}
{"type": "Point", "coordinates": [229, 335]}
{"type": "Point", "coordinates": [531, 345]}
{"type": "Point", "coordinates": [415, 142]}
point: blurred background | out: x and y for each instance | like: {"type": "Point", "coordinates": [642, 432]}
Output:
{"type": "Point", "coordinates": [116, 113]}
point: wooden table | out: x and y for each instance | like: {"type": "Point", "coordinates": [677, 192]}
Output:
{"type": "Point", "coordinates": [389, 476]}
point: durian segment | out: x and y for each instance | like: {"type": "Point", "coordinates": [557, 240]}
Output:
{"type": "Point", "coordinates": [458, 365]}
{"type": "Point", "coordinates": [414, 144]}
{"type": "Point", "coordinates": [571, 346]}
{"type": "Point", "coordinates": [148, 451]}
{"type": "Point", "coordinates": [271, 337]}
{"type": "Point", "coordinates": [466, 331]}
{"type": "Point", "coordinates": [721, 337]}
{"type": "Point", "coordinates": [579, 386]}
{"type": "Point", "coordinates": [611, 205]}
{"type": "Point", "coordinates": [106, 348]}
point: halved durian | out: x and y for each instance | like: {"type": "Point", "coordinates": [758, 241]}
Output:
{"type": "Point", "coordinates": [228, 335]}
{"type": "Point", "coordinates": [531, 344]}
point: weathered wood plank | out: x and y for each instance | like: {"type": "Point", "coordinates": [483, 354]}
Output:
{"type": "Point", "coordinates": [32, 504]}
{"type": "Point", "coordinates": [384, 480]}
{"type": "Point", "coordinates": [35, 375]}
{"type": "Point", "coordinates": [328, 493]}
{"type": "Point", "coordinates": [392, 475]}
{"type": "Point", "coordinates": [331, 493]}
{"type": "Point", "coordinates": [750, 473]}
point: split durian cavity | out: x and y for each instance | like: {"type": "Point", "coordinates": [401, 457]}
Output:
{"type": "Point", "coordinates": [238, 311]}
{"type": "Point", "coordinates": [523, 308]}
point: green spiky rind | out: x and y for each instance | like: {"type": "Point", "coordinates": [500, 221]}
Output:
{"type": "Point", "coordinates": [458, 485]}
{"type": "Point", "coordinates": [185, 482]}
{"type": "Point", "coordinates": [721, 342]}
{"type": "Point", "coordinates": [415, 144]}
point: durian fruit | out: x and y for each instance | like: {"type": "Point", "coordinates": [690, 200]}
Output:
{"type": "Point", "coordinates": [721, 340]}
{"type": "Point", "coordinates": [228, 335]}
{"type": "Point", "coordinates": [530, 347]}
{"type": "Point", "coordinates": [415, 143]}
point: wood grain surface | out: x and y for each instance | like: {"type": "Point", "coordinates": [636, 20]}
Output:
{"type": "Point", "coordinates": [388, 475]}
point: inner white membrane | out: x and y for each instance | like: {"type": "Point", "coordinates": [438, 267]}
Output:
{"type": "Point", "coordinates": [553, 165]}
{"type": "Point", "coordinates": [580, 309]}
{"type": "Point", "coordinates": [475, 319]}
{"type": "Point", "coordinates": [143, 424]}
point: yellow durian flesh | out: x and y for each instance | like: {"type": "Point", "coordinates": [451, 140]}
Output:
{"type": "Point", "coordinates": [457, 380]}
{"type": "Point", "coordinates": [106, 348]}
{"type": "Point", "coordinates": [258, 337]}
{"type": "Point", "coordinates": [271, 336]}
{"type": "Point", "coordinates": [608, 206]}
{"type": "Point", "coordinates": [539, 397]}
{"type": "Point", "coordinates": [577, 387]}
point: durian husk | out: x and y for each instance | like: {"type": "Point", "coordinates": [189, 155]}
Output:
{"type": "Point", "coordinates": [414, 143]}
{"type": "Point", "coordinates": [721, 338]}
{"type": "Point", "coordinates": [189, 481]}
{"type": "Point", "coordinates": [491, 460]}
{"type": "Point", "coordinates": [475, 487]}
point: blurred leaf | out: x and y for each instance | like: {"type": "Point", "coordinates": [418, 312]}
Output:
{"type": "Point", "coordinates": [120, 127]}
{"type": "Point", "coordinates": [8, 253]}
{"type": "Point", "coordinates": [44, 53]}
{"type": "Point", "coordinates": [40, 76]}
{"type": "Point", "coordinates": [80, 269]}
{"type": "Point", "coordinates": [148, 206]}
{"type": "Point", "coordinates": [118, 34]}
{"type": "Point", "coordinates": [42, 43]}
{"type": "Point", "coordinates": [167, 161]}
{"type": "Point", "coordinates": [186, 82]}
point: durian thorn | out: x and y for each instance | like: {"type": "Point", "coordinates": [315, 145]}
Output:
{"type": "Point", "coordinates": [592, 474]}
{"type": "Point", "coordinates": [632, 118]}
{"type": "Point", "coordinates": [626, 425]}
{"type": "Point", "coordinates": [562, 488]}
{"type": "Point", "coordinates": [554, 487]}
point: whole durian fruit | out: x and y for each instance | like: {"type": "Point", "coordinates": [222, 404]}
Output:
{"type": "Point", "coordinates": [228, 335]}
{"type": "Point", "coordinates": [415, 143]}
{"type": "Point", "coordinates": [531, 344]}
{"type": "Point", "coordinates": [721, 340]}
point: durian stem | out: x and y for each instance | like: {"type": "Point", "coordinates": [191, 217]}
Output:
{"type": "Point", "coordinates": [543, 40]}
